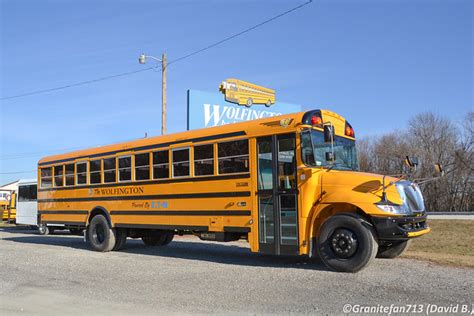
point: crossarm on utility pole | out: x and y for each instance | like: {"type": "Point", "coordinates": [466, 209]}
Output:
{"type": "Point", "coordinates": [163, 95]}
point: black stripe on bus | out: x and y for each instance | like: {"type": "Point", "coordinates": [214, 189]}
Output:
{"type": "Point", "coordinates": [168, 227]}
{"type": "Point", "coordinates": [154, 146]}
{"type": "Point", "coordinates": [64, 212]}
{"type": "Point", "coordinates": [149, 182]}
{"type": "Point", "coordinates": [233, 229]}
{"type": "Point", "coordinates": [151, 197]}
{"type": "Point", "coordinates": [184, 213]}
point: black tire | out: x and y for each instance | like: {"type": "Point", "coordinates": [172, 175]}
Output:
{"type": "Point", "coordinates": [161, 238]}
{"type": "Point", "coordinates": [169, 238]}
{"type": "Point", "coordinates": [75, 231]}
{"type": "Point", "coordinates": [393, 251]}
{"type": "Point", "coordinates": [268, 104]}
{"type": "Point", "coordinates": [120, 238]}
{"type": "Point", "coordinates": [43, 229]}
{"type": "Point", "coordinates": [346, 243]}
{"type": "Point", "coordinates": [249, 102]}
{"type": "Point", "coordinates": [100, 235]}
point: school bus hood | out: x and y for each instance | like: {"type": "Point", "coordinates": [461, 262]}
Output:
{"type": "Point", "coordinates": [357, 187]}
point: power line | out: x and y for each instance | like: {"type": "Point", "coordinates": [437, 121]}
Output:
{"type": "Point", "coordinates": [18, 172]}
{"type": "Point", "coordinates": [76, 84]}
{"type": "Point", "coordinates": [40, 153]}
{"type": "Point", "coordinates": [240, 33]}
{"type": "Point", "coordinates": [171, 62]}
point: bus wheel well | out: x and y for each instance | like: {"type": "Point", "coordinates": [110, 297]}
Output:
{"type": "Point", "coordinates": [329, 211]}
{"type": "Point", "coordinates": [100, 211]}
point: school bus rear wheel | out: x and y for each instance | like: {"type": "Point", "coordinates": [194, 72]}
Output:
{"type": "Point", "coordinates": [120, 238]}
{"type": "Point", "coordinates": [268, 104]}
{"type": "Point", "coordinates": [346, 243]}
{"type": "Point", "coordinates": [100, 235]}
{"type": "Point", "coordinates": [161, 238]}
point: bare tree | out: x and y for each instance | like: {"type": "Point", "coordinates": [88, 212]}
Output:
{"type": "Point", "coordinates": [433, 139]}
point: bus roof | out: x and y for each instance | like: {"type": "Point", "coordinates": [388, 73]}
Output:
{"type": "Point", "coordinates": [251, 128]}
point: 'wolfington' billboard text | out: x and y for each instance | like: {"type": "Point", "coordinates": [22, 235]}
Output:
{"type": "Point", "coordinates": [207, 109]}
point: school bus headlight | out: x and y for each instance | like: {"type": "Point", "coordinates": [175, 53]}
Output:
{"type": "Point", "coordinates": [392, 208]}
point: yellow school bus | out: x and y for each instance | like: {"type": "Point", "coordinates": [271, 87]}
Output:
{"type": "Point", "coordinates": [246, 93]}
{"type": "Point", "coordinates": [8, 205]}
{"type": "Point", "coordinates": [4, 209]}
{"type": "Point", "coordinates": [12, 207]}
{"type": "Point", "coordinates": [289, 185]}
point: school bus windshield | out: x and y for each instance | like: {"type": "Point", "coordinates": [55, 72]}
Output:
{"type": "Point", "coordinates": [314, 151]}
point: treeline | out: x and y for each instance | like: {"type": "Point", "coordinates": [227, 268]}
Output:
{"type": "Point", "coordinates": [433, 139]}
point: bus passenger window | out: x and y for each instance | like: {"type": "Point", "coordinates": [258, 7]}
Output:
{"type": "Point", "coordinates": [69, 174]}
{"type": "Point", "coordinates": [109, 170]}
{"type": "Point", "coordinates": [58, 176]}
{"type": "Point", "coordinates": [181, 162]}
{"type": "Point", "coordinates": [142, 166]}
{"type": "Point", "coordinates": [125, 168]}
{"type": "Point", "coordinates": [160, 165]}
{"type": "Point", "coordinates": [46, 177]}
{"type": "Point", "coordinates": [81, 172]}
{"type": "Point", "coordinates": [233, 156]}
{"type": "Point", "coordinates": [95, 171]}
{"type": "Point", "coordinates": [204, 160]}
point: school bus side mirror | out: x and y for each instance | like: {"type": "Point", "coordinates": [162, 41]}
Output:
{"type": "Point", "coordinates": [411, 162]}
{"type": "Point", "coordinates": [330, 156]}
{"type": "Point", "coordinates": [328, 133]}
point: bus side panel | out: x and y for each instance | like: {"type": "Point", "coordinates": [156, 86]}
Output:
{"type": "Point", "coordinates": [154, 204]}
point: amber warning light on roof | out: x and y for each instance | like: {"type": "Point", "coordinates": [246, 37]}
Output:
{"type": "Point", "coordinates": [246, 93]}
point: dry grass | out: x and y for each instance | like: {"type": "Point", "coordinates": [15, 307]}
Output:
{"type": "Point", "coordinates": [450, 242]}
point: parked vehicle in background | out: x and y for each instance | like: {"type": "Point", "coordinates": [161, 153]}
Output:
{"type": "Point", "coordinates": [6, 206]}
{"type": "Point", "coordinates": [27, 209]}
{"type": "Point", "coordinates": [27, 206]}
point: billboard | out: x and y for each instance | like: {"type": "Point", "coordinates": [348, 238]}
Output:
{"type": "Point", "coordinates": [207, 109]}
{"type": "Point", "coordinates": [246, 93]}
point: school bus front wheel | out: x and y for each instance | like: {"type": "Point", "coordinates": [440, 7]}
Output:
{"type": "Point", "coordinates": [393, 250]}
{"type": "Point", "coordinates": [347, 243]}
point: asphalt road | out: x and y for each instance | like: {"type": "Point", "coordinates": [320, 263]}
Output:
{"type": "Point", "coordinates": [59, 275]}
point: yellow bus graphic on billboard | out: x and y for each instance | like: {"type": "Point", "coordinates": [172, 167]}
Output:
{"type": "Point", "coordinates": [246, 93]}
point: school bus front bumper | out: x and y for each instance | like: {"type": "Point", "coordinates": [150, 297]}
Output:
{"type": "Point", "coordinates": [400, 227]}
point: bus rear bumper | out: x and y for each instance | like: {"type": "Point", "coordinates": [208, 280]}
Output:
{"type": "Point", "coordinates": [400, 228]}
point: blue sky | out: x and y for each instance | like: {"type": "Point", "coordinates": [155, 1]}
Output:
{"type": "Point", "coordinates": [376, 62]}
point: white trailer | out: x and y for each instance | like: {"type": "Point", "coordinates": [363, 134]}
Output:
{"type": "Point", "coordinates": [27, 208]}
{"type": "Point", "coordinates": [27, 205]}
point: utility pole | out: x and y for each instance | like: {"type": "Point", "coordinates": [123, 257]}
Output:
{"type": "Point", "coordinates": [142, 60]}
{"type": "Point", "coordinates": [163, 94]}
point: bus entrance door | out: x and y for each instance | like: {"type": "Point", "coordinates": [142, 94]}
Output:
{"type": "Point", "coordinates": [277, 195]}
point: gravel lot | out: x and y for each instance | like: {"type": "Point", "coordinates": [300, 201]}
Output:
{"type": "Point", "coordinates": [59, 275]}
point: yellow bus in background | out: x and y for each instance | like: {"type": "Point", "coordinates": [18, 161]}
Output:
{"type": "Point", "coordinates": [4, 204]}
{"type": "Point", "coordinates": [12, 207]}
{"type": "Point", "coordinates": [246, 93]}
{"type": "Point", "coordinates": [288, 184]}
{"type": "Point", "coordinates": [8, 205]}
